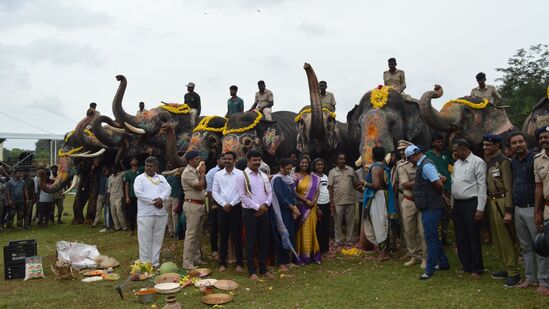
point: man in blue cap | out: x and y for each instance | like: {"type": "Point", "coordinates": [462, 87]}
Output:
{"type": "Point", "coordinates": [193, 181]}
{"type": "Point", "coordinates": [541, 217]}
{"type": "Point", "coordinates": [428, 189]}
{"type": "Point", "coordinates": [499, 182]}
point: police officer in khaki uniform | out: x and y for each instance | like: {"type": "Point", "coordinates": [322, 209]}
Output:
{"type": "Point", "coordinates": [263, 100]}
{"type": "Point", "coordinates": [193, 181]}
{"type": "Point", "coordinates": [411, 217]}
{"type": "Point", "coordinates": [394, 77]}
{"type": "Point", "coordinates": [499, 182]}
{"type": "Point", "coordinates": [541, 217]}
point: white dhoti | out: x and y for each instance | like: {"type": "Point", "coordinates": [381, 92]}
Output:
{"type": "Point", "coordinates": [376, 225]}
{"type": "Point", "coordinates": [150, 234]}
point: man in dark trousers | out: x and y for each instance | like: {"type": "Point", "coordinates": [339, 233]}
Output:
{"type": "Point", "coordinates": [427, 191]}
{"type": "Point", "coordinates": [469, 193]}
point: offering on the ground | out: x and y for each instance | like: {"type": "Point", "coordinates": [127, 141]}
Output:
{"type": "Point", "coordinates": [226, 285]}
{"type": "Point", "coordinates": [104, 261]}
{"type": "Point", "coordinates": [205, 282]}
{"type": "Point", "coordinates": [351, 252]}
{"type": "Point", "coordinates": [90, 273]}
{"type": "Point", "coordinates": [168, 267]}
{"type": "Point", "coordinates": [167, 288]}
{"type": "Point", "coordinates": [146, 295]}
{"type": "Point", "coordinates": [188, 280]}
{"type": "Point", "coordinates": [168, 277]}
{"type": "Point", "coordinates": [111, 277]}
{"type": "Point", "coordinates": [33, 268]}
{"type": "Point", "coordinates": [92, 279]}
{"type": "Point", "coordinates": [200, 272]}
{"type": "Point", "coordinates": [216, 299]}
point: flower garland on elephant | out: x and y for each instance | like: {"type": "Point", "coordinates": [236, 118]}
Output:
{"type": "Point", "coordinates": [379, 96]}
{"type": "Point", "coordinates": [203, 125]}
{"type": "Point", "coordinates": [244, 129]}
{"type": "Point", "coordinates": [474, 105]}
{"type": "Point", "coordinates": [308, 110]}
{"type": "Point", "coordinates": [176, 108]}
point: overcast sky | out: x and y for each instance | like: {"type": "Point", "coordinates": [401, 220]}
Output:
{"type": "Point", "coordinates": [58, 56]}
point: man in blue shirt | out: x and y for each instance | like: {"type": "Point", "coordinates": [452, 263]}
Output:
{"type": "Point", "coordinates": [428, 189]}
{"type": "Point", "coordinates": [17, 195]}
{"type": "Point", "coordinates": [212, 205]}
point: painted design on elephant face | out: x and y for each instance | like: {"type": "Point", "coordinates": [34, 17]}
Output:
{"type": "Point", "coordinates": [271, 141]}
{"type": "Point", "coordinates": [230, 143]}
{"type": "Point", "coordinates": [374, 129]}
{"type": "Point", "coordinates": [195, 141]}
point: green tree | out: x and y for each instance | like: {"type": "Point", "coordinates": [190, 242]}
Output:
{"type": "Point", "coordinates": [524, 81]}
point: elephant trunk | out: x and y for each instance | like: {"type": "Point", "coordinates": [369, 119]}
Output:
{"type": "Point", "coordinates": [120, 114]}
{"type": "Point", "coordinates": [62, 179]}
{"type": "Point", "coordinates": [317, 123]}
{"type": "Point", "coordinates": [171, 152]}
{"type": "Point", "coordinates": [432, 117]}
{"type": "Point", "coordinates": [375, 133]}
{"type": "Point", "coordinates": [110, 137]}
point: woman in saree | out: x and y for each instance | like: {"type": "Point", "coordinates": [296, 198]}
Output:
{"type": "Point", "coordinates": [307, 190]}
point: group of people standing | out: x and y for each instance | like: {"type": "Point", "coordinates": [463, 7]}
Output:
{"type": "Point", "coordinates": [22, 199]}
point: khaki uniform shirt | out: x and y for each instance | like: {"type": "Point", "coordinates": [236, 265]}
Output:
{"type": "Point", "coordinates": [343, 182]}
{"type": "Point", "coordinates": [499, 179]}
{"type": "Point", "coordinates": [395, 80]}
{"type": "Point", "coordinates": [541, 174]}
{"type": "Point", "coordinates": [115, 186]}
{"type": "Point", "coordinates": [263, 99]}
{"type": "Point", "coordinates": [489, 92]}
{"type": "Point", "coordinates": [328, 101]}
{"type": "Point", "coordinates": [190, 178]}
{"type": "Point", "coordinates": [406, 172]}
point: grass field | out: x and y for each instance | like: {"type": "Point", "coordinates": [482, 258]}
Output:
{"type": "Point", "coordinates": [340, 282]}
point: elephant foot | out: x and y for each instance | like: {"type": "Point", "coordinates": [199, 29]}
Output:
{"type": "Point", "coordinates": [77, 221]}
{"type": "Point", "coordinates": [88, 222]}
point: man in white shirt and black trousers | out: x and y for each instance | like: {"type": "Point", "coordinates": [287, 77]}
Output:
{"type": "Point", "coordinates": [230, 210]}
{"type": "Point", "coordinates": [152, 191]}
{"type": "Point", "coordinates": [469, 193]}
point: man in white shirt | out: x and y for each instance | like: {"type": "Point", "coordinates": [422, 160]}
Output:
{"type": "Point", "coordinates": [152, 191]}
{"type": "Point", "coordinates": [469, 193]}
{"type": "Point", "coordinates": [230, 210]}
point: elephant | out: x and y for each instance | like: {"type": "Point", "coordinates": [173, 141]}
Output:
{"type": "Point", "coordinates": [148, 123]}
{"type": "Point", "coordinates": [468, 118]}
{"type": "Point", "coordinates": [319, 133]}
{"type": "Point", "coordinates": [275, 139]}
{"type": "Point", "coordinates": [382, 118]}
{"type": "Point", "coordinates": [538, 117]}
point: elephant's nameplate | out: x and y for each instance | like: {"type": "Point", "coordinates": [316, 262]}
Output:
{"type": "Point", "coordinates": [542, 120]}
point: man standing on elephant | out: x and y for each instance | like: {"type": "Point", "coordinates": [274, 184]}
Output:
{"type": "Point", "coordinates": [327, 99]}
{"type": "Point", "coordinates": [152, 192]}
{"type": "Point", "coordinates": [411, 217]}
{"type": "Point", "coordinates": [541, 217]}
{"type": "Point", "coordinates": [394, 77]}
{"type": "Point", "coordinates": [263, 100]}
{"type": "Point", "coordinates": [193, 181]}
{"type": "Point", "coordinates": [443, 160]}
{"type": "Point", "coordinates": [234, 104]}
{"type": "Point", "coordinates": [522, 166]}
{"type": "Point", "coordinates": [469, 193]}
{"type": "Point", "coordinates": [499, 183]}
{"type": "Point", "coordinates": [484, 91]}
{"type": "Point", "coordinates": [193, 100]}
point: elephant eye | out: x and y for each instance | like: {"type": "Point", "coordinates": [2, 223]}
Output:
{"type": "Point", "coordinates": [247, 141]}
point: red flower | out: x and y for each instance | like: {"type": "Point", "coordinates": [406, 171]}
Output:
{"type": "Point", "coordinates": [379, 86]}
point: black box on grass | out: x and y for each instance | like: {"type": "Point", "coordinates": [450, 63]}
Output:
{"type": "Point", "coordinates": [14, 257]}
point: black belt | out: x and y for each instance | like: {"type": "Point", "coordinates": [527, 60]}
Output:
{"type": "Point", "coordinates": [527, 205]}
{"type": "Point", "coordinates": [496, 195]}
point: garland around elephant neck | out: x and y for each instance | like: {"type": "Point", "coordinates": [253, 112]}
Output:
{"type": "Point", "coordinates": [242, 130]}
{"type": "Point", "coordinates": [308, 110]}
{"type": "Point", "coordinates": [203, 125]}
{"type": "Point", "coordinates": [60, 153]}
{"type": "Point", "coordinates": [481, 105]}
{"type": "Point", "coordinates": [176, 108]}
{"type": "Point", "coordinates": [379, 96]}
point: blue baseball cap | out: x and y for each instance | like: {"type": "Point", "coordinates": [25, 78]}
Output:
{"type": "Point", "coordinates": [411, 150]}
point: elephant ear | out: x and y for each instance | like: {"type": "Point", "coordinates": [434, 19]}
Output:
{"type": "Point", "coordinates": [352, 120]}
{"type": "Point", "coordinates": [414, 125]}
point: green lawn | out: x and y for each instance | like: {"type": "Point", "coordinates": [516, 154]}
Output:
{"type": "Point", "coordinates": [341, 282]}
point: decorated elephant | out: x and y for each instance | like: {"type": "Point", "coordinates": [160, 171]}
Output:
{"type": "Point", "coordinates": [539, 117]}
{"type": "Point", "coordinates": [382, 118]}
{"type": "Point", "coordinates": [275, 139]}
{"type": "Point", "coordinates": [319, 134]}
{"type": "Point", "coordinates": [467, 117]}
{"type": "Point", "coordinates": [148, 123]}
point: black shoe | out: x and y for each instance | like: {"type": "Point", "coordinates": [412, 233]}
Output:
{"type": "Point", "coordinates": [425, 277]}
{"type": "Point", "coordinates": [499, 275]}
{"type": "Point", "coordinates": [512, 281]}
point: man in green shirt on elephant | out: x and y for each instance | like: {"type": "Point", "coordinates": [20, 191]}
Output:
{"type": "Point", "coordinates": [234, 104]}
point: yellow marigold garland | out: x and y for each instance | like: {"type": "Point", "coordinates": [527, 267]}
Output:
{"type": "Point", "coordinates": [472, 105]}
{"type": "Point", "coordinates": [176, 108]}
{"type": "Point", "coordinates": [242, 130]}
{"type": "Point", "coordinates": [60, 153]}
{"type": "Point", "coordinates": [379, 96]}
{"type": "Point", "coordinates": [308, 110]}
{"type": "Point", "coordinates": [69, 135]}
{"type": "Point", "coordinates": [203, 125]}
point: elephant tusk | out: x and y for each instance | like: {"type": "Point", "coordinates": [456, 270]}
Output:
{"type": "Point", "coordinates": [90, 155]}
{"type": "Point", "coordinates": [75, 154]}
{"type": "Point", "coordinates": [115, 129]}
{"type": "Point", "coordinates": [134, 129]}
